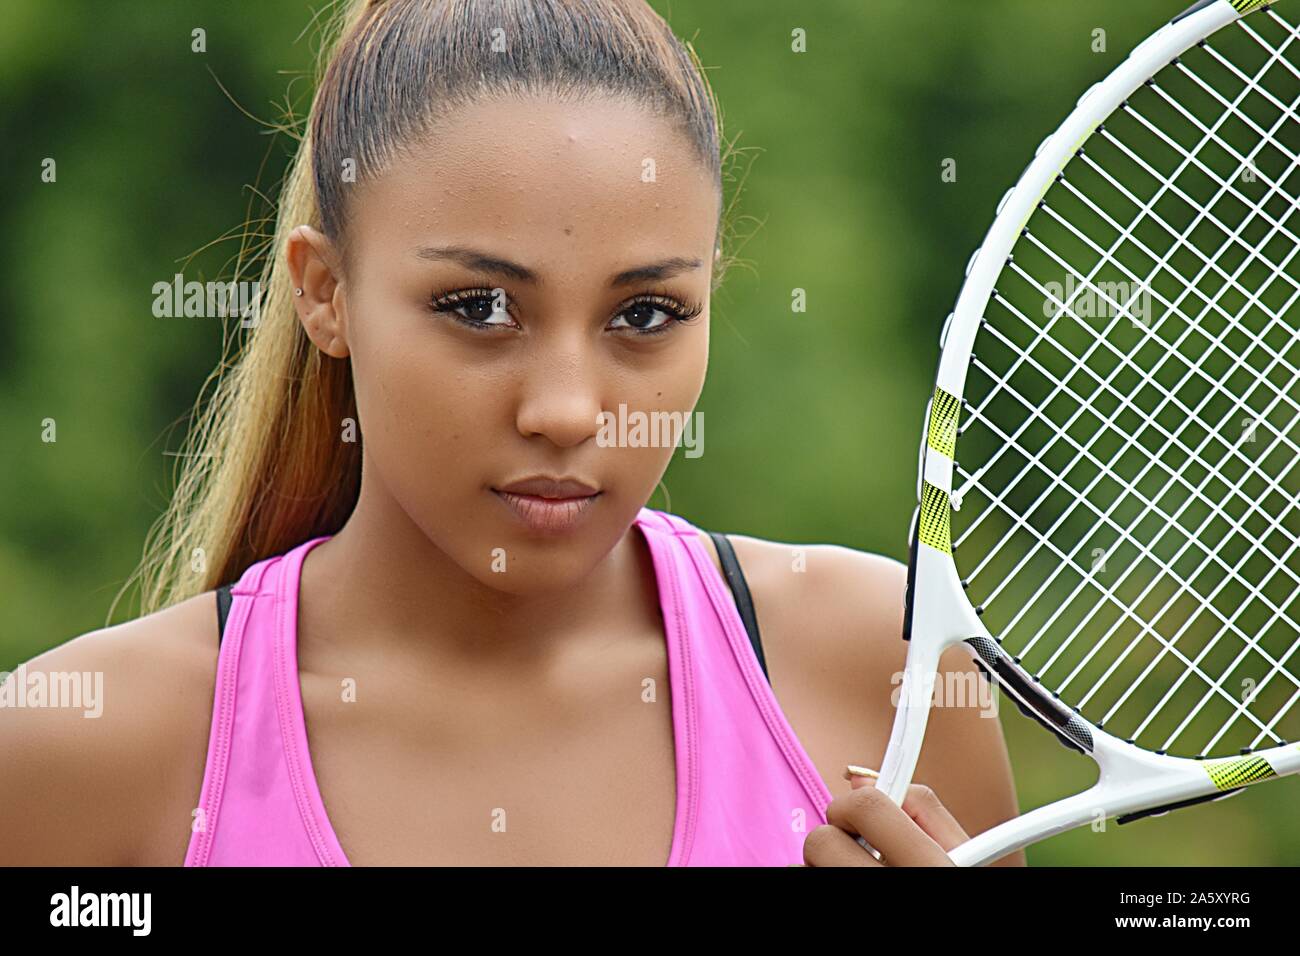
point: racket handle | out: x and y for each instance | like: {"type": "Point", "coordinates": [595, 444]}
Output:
{"type": "Point", "coordinates": [909, 727]}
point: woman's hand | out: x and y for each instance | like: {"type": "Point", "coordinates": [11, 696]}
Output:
{"type": "Point", "coordinates": [919, 833]}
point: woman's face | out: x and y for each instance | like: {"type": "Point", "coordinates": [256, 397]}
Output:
{"type": "Point", "coordinates": [505, 286]}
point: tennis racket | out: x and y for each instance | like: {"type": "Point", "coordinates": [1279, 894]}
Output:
{"type": "Point", "coordinates": [1108, 509]}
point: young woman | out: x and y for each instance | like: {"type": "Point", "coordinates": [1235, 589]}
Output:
{"type": "Point", "coordinates": [408, 606]}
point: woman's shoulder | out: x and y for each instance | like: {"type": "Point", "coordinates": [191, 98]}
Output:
{"type": "Point", "coordinates": [824, 609]}
{"type": "Point", "coordinates": [104, 738]}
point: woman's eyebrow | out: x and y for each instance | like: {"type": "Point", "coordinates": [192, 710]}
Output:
{"type": "Point", "coordinates": [479, 261]}
{"type": "Point", "coordinates": [483, 262]}
{"type": "Point", "coordinates": [658, 270]}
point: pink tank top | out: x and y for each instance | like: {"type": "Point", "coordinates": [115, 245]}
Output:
{"type": "Point", "coordinates": [747, 793]}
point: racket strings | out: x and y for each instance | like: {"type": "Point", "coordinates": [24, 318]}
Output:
{"type": "Point", "coordinates": [1145, 629]}
{"type": "Point", "coordinates": [1252, 296]}
{"type": "Point", "coordinates": [1146, 209]}
{"type": "Point", "coordinates": [1163, 446]}
{"type": "Point", "coordinates": [1105, 516]}
{"type": "Point", "coordinates": [1120, 308]}
{"type": "Point", "coordinates": [1104, 471]}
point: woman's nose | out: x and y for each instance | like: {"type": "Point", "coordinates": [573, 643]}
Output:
{"type": "Point", "coordinates": [559, 396]}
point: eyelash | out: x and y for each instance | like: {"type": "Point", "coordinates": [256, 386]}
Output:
{"type": "Point", "coordinates": [447, 302]}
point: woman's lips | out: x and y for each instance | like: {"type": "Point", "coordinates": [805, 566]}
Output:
{"type": "Point", "coordinates": [547, 515]}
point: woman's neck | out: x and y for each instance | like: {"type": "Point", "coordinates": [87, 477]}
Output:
{"type": "Point", "coordinates": [380, 584]}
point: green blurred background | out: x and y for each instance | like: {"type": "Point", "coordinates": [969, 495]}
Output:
{"type": "Point", "coordinates": [820, 411]}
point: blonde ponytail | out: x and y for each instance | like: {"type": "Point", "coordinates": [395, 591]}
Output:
{"type": "Point", "coordinates": [263, 466]}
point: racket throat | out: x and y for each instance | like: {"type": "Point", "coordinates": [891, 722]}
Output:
{"type": "Point", "coordinates": [913, 689]}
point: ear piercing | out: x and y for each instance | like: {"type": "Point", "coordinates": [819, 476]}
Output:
{"type": "Point", "coordinates": [297, 291]}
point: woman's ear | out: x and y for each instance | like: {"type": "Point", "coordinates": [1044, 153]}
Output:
{"type": "Point", "coordinates": [313, 262]}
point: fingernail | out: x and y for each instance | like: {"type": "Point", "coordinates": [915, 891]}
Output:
{"type": "Point", "coordinates": [852, 771]}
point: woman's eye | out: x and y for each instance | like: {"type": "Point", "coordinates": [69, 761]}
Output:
{"type": "Point", "coordinates": [651, 316]}
{"type": "Point", "coordinates": [481, 309]}
{"type": "Point", "coordinates": [477, 308]}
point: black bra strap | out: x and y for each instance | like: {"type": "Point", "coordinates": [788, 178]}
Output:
{"type": "Point", "coordinates": [223, 610]}
{"type": "Point", "coordinates": [740, 591]}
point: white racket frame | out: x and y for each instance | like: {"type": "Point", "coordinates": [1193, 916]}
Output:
{"type": "Point", "coordinates": [1131, 779]}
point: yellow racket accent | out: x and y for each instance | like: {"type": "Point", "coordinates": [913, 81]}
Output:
{"type": "Point", "coordinates": [942, 433]}
{"type": "Point", "coordinates": [935, 513]}
{"type": "Point", "coordinates": [1237, 771]}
